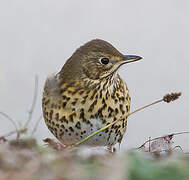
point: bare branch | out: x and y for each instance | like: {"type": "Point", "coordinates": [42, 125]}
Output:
{"type": "Point", "coordinates": [33, 102]}
{"type": "Point", "coordinates": [36, 125]}
{"type": "Point", "coordinates": [169, 135]}
{"type": "Point", "coordinates": [12, 121]}
{"type": "Point", "coordinates": [21, 131]}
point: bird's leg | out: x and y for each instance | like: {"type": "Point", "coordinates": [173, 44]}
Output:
{"type": "Point", "coordinates": [111, 149]}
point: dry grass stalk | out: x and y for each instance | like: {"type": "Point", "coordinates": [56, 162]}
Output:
{"type": "Point", "coordinates": [167, 98]}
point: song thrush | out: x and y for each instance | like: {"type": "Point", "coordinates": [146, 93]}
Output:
{"type": "Point", "coordinates": [88, 94]}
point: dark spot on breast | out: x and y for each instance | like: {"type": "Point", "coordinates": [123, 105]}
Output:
{"type": "Point", "coordinates": [110, 109]}
{"type": "Point", "coordinates": [74, 103]}
{"type": "Point", "coordinates": [120, 138]}
{"type": "Point", "coordinates": [101, 94]}
{"type": "Point", "coordinates": [113, 126]}
{"type": "Point", "coordinates": [87, 121]}
{"type": "Point", "coordinates": [64, 104]}
{"type": "Point", "coordinates": [121, 108]}
{"type": "Point", "coordinates": [92, 106]}
{"type": "Point", "coordinates": [104, 106]}
{"type": "Point", "coordinates": [46, 114]}
{"type": "Point", "coordinates": [127, 107]}
{"type": "Point", "coordinates": [104, 86]}
{"type": "Point", "coordinates": [62, 126]}
{"type": "Point", "coordinates": [113, 95]}
{"type": "Point", "coordinates": [103, 121]}
{"type": "Point", "coordinates": [92, 116]}
{"type": "Point", "coordinates": [107, 130]}
{"type": "Point", "coordinates": [116, 111]}
{"type": "Point", "coordinates": [69, 92]}
{"type": "Point", "coordinates": [81, 116]}
{"type": "Point", "coordinates": [96, 97]}
{"type": "Point", "coordinates": [109, 134]}
{"type": "Point", "coordinates": [57, 116]}
{"type": "Point", "coordinates": [64, 97]}
{"type": "Point", "coordinates": [81, 92]}
{"type": "Point", "coordinates": [55, 129]}
{"type": "Point", "coordinates": [78, 125]}
{"type": "Point", "coordinates": [47, 102]}
{"type": "Point", "coordinates": [99, 113]}
{"type": "Point", "coordinates": [71, 117]}
{"type": "Point", "coordinates": [73, 109]}
{"type": "Point", "coordinates": [63, 119]}
{"type": "Point", "coordinates": [121, 99]}
{"type": "Point", "coordinates": [94, 92]}
{"type": "Point", "coordinates": [83, 101]}
{"type": "Point", "coordinates": [50, 114]}
{"type": "Point", "coordinates": [107, 94]}
{"type": "Point", "coordinates": [71, 129]}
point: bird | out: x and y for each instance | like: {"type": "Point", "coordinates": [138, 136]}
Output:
{"type": "Point", "coordinates": [88, 94]}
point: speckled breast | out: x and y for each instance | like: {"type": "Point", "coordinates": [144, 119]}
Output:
{"type": "Point", "coordinates": [76, 112]}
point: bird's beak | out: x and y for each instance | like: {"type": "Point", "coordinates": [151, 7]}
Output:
{"type": "Point", "coordinates": [131, 58]}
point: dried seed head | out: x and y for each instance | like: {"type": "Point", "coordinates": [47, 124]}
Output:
{"type": "Point", "coordinates": [171, 97]}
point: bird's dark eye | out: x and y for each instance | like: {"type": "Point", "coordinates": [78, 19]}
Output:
{"type": "Point", "coordinates": [104, 60]}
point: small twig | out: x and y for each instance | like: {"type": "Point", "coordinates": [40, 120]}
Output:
{"type": "Point", "coordinates": [55, 145]}
{"type": "Point", "coordinates": [149, 144]}
{"type": "Point", "coordinates": [21, 131]}
{"type": "Point", "coordinates": [13, 122]}
{"type": "Point", "coordinates": [36, 125]}
{"type": "Point", "coordinates": [178, 147]}
{"type": "Point", "coordinates": [167, 98]}
{"type": "Point", "coordinates": [33, 102]}
{"type": "Point", "coordinates": [170, 135]}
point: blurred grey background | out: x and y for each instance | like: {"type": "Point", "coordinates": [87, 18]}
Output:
{"type": "Point", "coordinates": [38, 36]}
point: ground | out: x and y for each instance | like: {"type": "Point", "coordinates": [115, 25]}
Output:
{"type": "Point", "coordinates": [24, 159]}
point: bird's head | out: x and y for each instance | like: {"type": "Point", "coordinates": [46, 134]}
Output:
{"type": "Point", "coordinates": [96, 59]}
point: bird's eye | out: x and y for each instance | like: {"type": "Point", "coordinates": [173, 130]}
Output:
{"type": "Point", "coordinates": [104, 60]}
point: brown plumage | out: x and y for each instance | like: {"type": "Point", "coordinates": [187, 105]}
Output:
{"type": "Point", "coordinates": [88, 94]}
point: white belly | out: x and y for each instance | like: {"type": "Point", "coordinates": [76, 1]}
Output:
{"type": "Point", "coordinates": [102, 139]}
